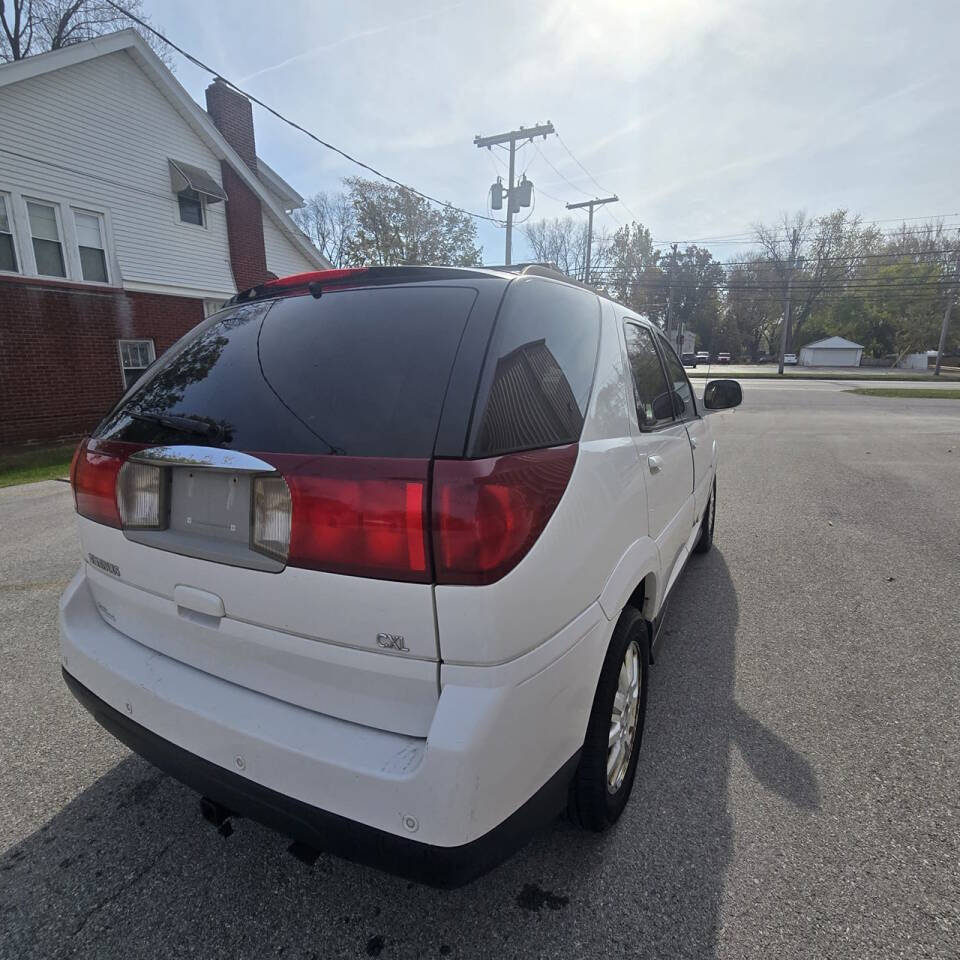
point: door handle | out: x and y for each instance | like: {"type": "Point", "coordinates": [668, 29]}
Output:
{"type": "Point", "coordinates": [693, 442]}
{"type": "Point", "coordinates": [655, 463]}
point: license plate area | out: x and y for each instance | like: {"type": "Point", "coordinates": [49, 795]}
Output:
{"type": "Point", "coordinates": [209, 519]}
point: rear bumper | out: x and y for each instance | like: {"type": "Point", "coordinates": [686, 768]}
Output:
{"type": "Point", "coordinates": [501, 747]}
{"type": "Point", "coordinates": [328, 832]}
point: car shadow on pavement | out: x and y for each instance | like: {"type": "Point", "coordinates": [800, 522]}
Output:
{"type": "Point", "coordinates": [129, 869]}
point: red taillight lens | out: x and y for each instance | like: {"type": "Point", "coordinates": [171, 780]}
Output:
{"type": "Point", "coordinates": [358, 515]}
{"type": "Point", "coordinates": [94, 477]}
{"type": "Point", "coordinates": [487, 514]}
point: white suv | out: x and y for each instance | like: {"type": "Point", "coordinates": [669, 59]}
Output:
{"type": "Point", "coordinates": [377, 558]}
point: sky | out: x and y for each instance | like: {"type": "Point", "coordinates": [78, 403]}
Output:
{"type": "Point", "coordinates": [703, 117]}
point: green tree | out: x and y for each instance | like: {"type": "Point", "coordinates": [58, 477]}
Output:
{"type": "Point", "coordinates": [633, 274]}
{"type": "Point", "coordinates": [392, 227]}
{"type": "Point", "coordinates": [693, 280]}
{"type": "Point", "coordinates": [751, 307]}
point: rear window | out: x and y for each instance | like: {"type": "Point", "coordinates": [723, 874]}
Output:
{"type": "Point", "coordinates": [357, 372]}
{"type": "Point", "coordinates": [538, 373]}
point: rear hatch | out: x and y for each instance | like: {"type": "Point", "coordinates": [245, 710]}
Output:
{"type": "Point", "coordinates": [324, 407]}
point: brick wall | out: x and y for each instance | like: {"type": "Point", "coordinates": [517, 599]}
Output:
{"type": "Point", "coordinates": [232, 114]}
{"type": "Point", "coordinates": [59, 365]}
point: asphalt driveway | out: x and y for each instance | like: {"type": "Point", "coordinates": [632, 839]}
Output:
{"type": "Point", "coordinates": [797, 793]}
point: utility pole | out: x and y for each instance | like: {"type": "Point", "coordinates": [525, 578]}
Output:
{"type": "Point", "coordinates": [947, 311]}
{"type": "Point", "coordinates": [673, 264]}
{"type": "Point", "coordinates": [795, 261]}
{"type": "Point", "coordinates": [786, 319]}
{"type": "Point", "coordinates": [590, 204]}
{"type": "Point", "coordinates": [513, 200]}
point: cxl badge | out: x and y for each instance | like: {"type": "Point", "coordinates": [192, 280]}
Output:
{"type": "Point", "coordinates": [392, 641]}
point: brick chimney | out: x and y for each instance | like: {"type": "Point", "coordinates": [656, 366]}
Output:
{"type": "Point", "coordinates": [232, 114]}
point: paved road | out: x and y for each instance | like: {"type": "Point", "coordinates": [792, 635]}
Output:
{"type": "Point", "coordinates": [797, 791]}
{"type": "Point", "coordinates": [736, 369]}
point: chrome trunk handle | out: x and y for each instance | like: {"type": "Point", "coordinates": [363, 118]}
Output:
{"type": "Point", "coordinates": [209, 458]}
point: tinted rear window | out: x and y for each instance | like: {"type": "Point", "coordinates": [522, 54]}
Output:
{"type": "Point", "coordinates": [536, 380]}
{"type": "Point", "coordinates": [357, 372]}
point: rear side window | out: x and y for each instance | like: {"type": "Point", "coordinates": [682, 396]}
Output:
{"type": "Point", "coordinates": [683, 403]}
{"type": "Point", "coordinates": [538, 373]}
{"type": "Point", "coordinates": [654, 407]}
{"type": "Point", "coordinates": [357, 372]}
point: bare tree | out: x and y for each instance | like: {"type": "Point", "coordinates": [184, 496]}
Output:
{"type": "Point", "coordinates": [35, 26]}
{"type": "Point", "coordinates": [16, 18]}
{"type": "Point", "coordinates": [329, 222]}
{"type": "Point", "coordinates": [811, 256]}
{"type": "Point", "coordinates": [564, 243]}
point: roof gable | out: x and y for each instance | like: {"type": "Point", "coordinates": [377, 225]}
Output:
{"type": "Point", "coordinates": [198, 119]}
{"type": "Point", "coordinates": [833, 343]}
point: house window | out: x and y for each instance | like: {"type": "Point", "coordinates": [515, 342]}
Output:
{"type": "Point", "coordinates": [47, 248]}
{"type": "Point", "coordinates": [135, 357]}
{"type": "Point", "coordinates": [191, 207]}
{"type": "Point", "coordinates": [93, 258]}
{"type": "Point", "coordinates": [8, 253]}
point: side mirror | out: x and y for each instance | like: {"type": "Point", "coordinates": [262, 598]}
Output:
{"type": "Point", "coordinates": [722, 395]}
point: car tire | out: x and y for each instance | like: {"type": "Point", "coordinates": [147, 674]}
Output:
{"type": "Point", "coordinates": [597, 796]}
{"type": "Point", "coordinates": [705, 540]}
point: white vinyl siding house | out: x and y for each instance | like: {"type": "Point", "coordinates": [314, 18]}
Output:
{"type": "Point", "coordinates": [282, 258]}
{"type": "Point", "coordinates": [115, 238]}
{"type": "Point", "coordinates": [96, 136]}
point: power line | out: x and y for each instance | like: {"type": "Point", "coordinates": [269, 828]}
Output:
{"type": "Point", "coordinates": [591, 176]}
{"type": "Point", "coordinates": [565, 179]}
{"type": "Point", "coordinates": [296, 126]}
{"type": "Point", "coordinates": [897, 257]}
{"type": "Point", "coordinates": [750, 237]}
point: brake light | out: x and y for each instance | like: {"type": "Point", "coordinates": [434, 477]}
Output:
{"type": "Point", "coordinates": [357, 515]}
{"type": "Point", "coordinates": [94, 476]}
{"type": "Point", "coordinates": [487, 514]}
{"type": "Point", "coordinates": [303, 280]}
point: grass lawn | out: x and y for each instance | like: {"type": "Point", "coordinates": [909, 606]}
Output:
{"type": "Point", "coordinates": [718, 373]}
{"type": "Point", "coordinates": [36, 463]}
{"type": "Point", "coordinates": [906, 392]}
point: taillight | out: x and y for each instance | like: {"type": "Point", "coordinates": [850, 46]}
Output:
{"type": "Point", "coordinates": [109, 490]}
{"type": "Point", "coordinates": [487, 514]}
{"type": "Point", "coordinates": [357, 515]}
{"type": "Point", "coordinates": [94, 475]}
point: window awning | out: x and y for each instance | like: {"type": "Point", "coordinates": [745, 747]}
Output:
{"type": "Point", "coordinates": [185, 176]}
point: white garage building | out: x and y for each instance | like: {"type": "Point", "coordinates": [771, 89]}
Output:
{"type": "Point", "coordinates": [832, 352]}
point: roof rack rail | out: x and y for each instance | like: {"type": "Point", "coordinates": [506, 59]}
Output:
{"type": "Point", "coordinates": [549, 270]}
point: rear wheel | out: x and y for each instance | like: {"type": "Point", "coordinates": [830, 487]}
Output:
{"type": "Point", "coordinates": [604, 778]}
{"type": "Point", "coordinates": [705, 540]}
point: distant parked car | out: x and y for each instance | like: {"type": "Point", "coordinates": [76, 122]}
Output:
{"type": "Point", "coordinates": [703, 356]}
{"type": "Point", "coordinates": [789, 359]}
{"type": "Point", "coordinates": [688, 359]}
{"type": "Point", "coordinates": [723, 358]}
